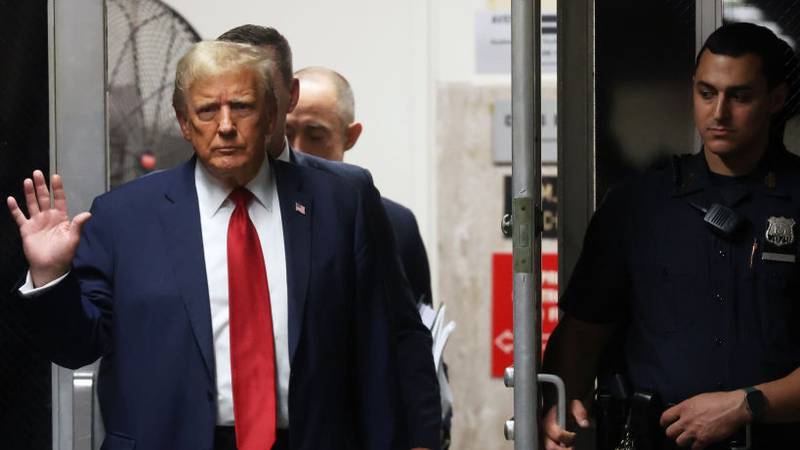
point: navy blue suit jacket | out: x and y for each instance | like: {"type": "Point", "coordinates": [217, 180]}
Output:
{"type": "Point", "coordinates": [411, 249]}
{"type": "Point", "coordinates": [420, 419]}
{"type": "Point", "coordinates": [137, 296]}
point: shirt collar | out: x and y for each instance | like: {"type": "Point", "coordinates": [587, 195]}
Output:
{"type": "Point", "coordinates": [212, 194]}
{"type": "Point", "coordinates": [285, 155]}
{"type": "Point", "coordinates": [769, 177]}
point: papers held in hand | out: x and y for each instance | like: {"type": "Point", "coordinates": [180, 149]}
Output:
{"type": "Point", "coordinates": [435, 321]}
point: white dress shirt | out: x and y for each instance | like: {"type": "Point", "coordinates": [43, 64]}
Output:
{"type": "Point", "coordinates": [264, 210]}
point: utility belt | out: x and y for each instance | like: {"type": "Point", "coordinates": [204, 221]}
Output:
{"type": "Point", "coordinates": [634, 425]}
{"type": "Point", "coordinates": [630, 421]}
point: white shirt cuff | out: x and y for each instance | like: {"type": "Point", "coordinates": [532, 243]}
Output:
{"type": "Point", "coordinates": [28, 291]}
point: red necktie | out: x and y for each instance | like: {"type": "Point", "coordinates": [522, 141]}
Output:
{"type": "Point", "coordinates": [252, 341]}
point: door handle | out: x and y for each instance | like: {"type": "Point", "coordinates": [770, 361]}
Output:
{"type": "Point", "coordinates": [87, 427]}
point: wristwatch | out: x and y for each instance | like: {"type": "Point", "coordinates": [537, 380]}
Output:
{"type": "Point", "coordinates": [756, 402]}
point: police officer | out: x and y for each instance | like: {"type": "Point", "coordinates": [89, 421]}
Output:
{"type": "Point", "coordinates": [695, 267]}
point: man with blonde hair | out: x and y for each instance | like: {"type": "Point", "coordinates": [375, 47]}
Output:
{"type": "Point", "coordinates": [228, 297]}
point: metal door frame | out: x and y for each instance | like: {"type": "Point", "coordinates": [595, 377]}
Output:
{"type": "Point", "coordinates": [78, 152]}
{"type": "Point", "coordinates": [576, 130]}
{"type": "Point", "coordinates": [526, 145]}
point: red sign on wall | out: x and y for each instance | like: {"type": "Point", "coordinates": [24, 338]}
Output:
{"type": "Point", "coordinates": [502, 304]}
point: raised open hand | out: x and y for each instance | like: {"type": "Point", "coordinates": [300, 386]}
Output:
{"type": "Point", "coordinates": [49, 238]}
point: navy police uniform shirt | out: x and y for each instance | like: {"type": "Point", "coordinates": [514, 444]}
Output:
{"type": "Point", "coordinates": [702, 312]}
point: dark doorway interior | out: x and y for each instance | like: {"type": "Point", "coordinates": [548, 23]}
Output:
{"type": "Point", "coordinates": [25, 397]}
{"type": "Point", "coordinates": [644, 63]}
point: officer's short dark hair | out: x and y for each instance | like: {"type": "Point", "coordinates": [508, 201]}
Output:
{"type": "Point", "coordinates": [264, 37]}
{"type": "Point", "coordinates": [737, 39]}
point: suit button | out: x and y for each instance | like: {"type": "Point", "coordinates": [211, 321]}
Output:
{"type": "Point", "coordinates": [719, 298]}
{"type": "Point", "coordinates": [722, 253]}
{"type": "Point", "coordinates": [719, 342]}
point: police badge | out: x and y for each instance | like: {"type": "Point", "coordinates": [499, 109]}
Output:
{"type": "Point", "coordinates": [780, 231]}
{"type": "Point", "coordinates": [779, 245]}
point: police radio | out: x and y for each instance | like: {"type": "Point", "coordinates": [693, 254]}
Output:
{"type": "Point", "coordinates": [723, 220]}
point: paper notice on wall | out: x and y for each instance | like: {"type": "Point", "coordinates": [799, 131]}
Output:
{"type": "Point", "coordinates": [493, 42]}
{"type": "Point", "coordinates": [501, 130]}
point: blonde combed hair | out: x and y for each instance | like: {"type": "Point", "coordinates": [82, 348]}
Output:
{"type": "Point", "coordinates": [214, 58]}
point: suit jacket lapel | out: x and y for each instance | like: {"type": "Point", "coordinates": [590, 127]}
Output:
{"type": "Point", "coordinates": [180, 219]}
{"type": "Point", "coordinates": [296, 213]}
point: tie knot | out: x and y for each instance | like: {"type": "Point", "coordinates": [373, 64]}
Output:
{"type": "Point", "coordinates": [240, 196]}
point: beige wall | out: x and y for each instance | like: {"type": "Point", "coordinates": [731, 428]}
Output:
{"type": "Point", "coordinates": [470, 199]}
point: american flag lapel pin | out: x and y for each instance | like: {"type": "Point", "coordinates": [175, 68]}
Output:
{"type": "Point", "coordinates": [300, 208]}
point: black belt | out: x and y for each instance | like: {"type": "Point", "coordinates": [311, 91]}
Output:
{"type": "Point", "coordinates": [225, 439]}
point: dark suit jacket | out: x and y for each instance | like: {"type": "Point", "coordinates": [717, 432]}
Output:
{"type": "Point", "coordinates": [411, 249]}
{"type": "Point", "coordinates": [419, 423]}
{"type": "Point", "coordinates": [137, 296]}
